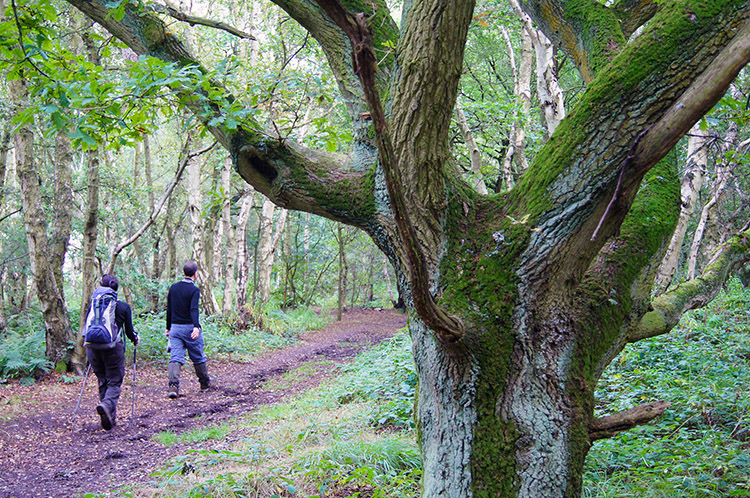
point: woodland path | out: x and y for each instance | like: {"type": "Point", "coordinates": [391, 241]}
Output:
{"type": "Point", "coordinates": [44, 452]}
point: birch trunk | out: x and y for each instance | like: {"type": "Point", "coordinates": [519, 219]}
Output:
{"type": "Point", "coordinates": [268, 241]}
{"type": "Point", "coordinates": [515, 162]}
{"type": "Point", "coordinates": [230, 283]}
{"type": "Point", "coordinates": [710, 211]}
{"type": "Point", "coordinates": [243, 261]}
{"type": "Point", "coordinates": [692, 182]}
{"type": "Point", "coordinates": [475, 154]}
{"type": "Point", "coordinates": [209, 305]}
{"type": "Point", "coordinates": [548, 89]}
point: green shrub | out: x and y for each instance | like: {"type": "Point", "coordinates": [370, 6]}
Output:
{"type": "Point", "coordinates": [385, 374]}
{"type": "Point", "coordinates": [22, 353]}
{"type": "Point", "coordinates": [695, 448]}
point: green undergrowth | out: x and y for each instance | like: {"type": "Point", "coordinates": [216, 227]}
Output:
{"type": "Point", "coordinates": [22, 348]}
{"type": "Point", "coordinates": [354, 436]}
{"type": "Point", "coordinates": [700, 447]}
{"type": "Point", "coordinates": [346, 438]}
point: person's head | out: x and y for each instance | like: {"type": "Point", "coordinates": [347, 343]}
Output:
{"type": "Point", "coordinates": [109, 281]}
{"type": "Point", "coordinates": [190, 268]}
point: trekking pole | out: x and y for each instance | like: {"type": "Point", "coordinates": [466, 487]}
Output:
{"type": "Point", "coordinates": [132, 411]}
{"type": "Point", "coordinates": [75, 412]}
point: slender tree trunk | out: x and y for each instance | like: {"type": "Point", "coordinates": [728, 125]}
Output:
{"type": "Point", "coordinates": [692, 182]}
{"type": "Point", "coordinates": [59, 333]}
{"type": "Point", "coordinates": [243, 263]}
{"type": "Point", "coordinates": [195, 199]}
{"type": "Point", "coordinates": [4, 147]}
{"type": "Point", "coordinates": [343, 270]}
{"type": "Point", "coordinates": [155, 249]}
{"type": "Point", "coordinates": [230, 283]}
{"type": "Point", "coordinates": [475, 154]}
{"type": "Point", "coordinates": [267, 244]}
{"type": "Point", "coordinates": [547, 87]}
{"type": "Point", "coordinates": [63, 205]}
{"type": "Point", "coordinates": [515, 162]}
{"type": "Point", "coordinates": [90, 266]}
{"type": "Point", "coordinates": [709, 215]}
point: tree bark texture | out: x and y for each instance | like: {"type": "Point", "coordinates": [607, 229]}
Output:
{"type": "Point", "coordinates": [243, 262]}
{"type": "Point", "coordinates": [270, 234]}
{"type": "Point", "coordinates": [63, 205]}
{"type": "Point", "coordinates": [230, 282]}
{"type": "Point", "coordinates": [90, 268]}
{"type": "Point", "coordinates": [531, 294]}
{"type": "Point", "coordinates": [59, 333]}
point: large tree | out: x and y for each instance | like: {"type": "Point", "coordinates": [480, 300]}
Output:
{"type": "Point", "coordinates": [517, 301]}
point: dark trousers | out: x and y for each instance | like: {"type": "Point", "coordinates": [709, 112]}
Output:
{"type": "Point", "coordinates": [109, 367]}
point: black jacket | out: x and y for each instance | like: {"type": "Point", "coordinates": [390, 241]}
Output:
{"type": "Point", "coordinates": [182, 303]}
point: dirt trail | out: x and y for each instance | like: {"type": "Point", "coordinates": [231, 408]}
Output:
{"type": "Point", "coordinates": [45, 453]}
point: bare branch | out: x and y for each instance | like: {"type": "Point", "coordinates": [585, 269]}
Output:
{"type": "Point", "coordinates": [202, 21]}
{"type": "Point", "coordinates": [157, 208]}
{"type": "Point", "coordinates": [612, 425]}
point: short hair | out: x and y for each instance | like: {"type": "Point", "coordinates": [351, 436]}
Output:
{"type": "Point", "coordinates": [190, 268]}
{"type": "Point", "coordinates": [109, 281]}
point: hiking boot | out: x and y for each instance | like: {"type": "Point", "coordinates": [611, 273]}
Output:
{"type": "Point", "coordinates": [174, 379]}
{"type": "Point", "coordinates": [105, 416]}
{"type": "Point", "coordinates": [201, 370]}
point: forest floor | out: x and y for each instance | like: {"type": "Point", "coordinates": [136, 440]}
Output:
{"type": "Point", "coordinates": [46, 452]}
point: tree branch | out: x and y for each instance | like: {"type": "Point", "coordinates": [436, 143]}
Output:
{"type": "Point", "coordinates": [668, 308]}
{"type": "Point", "coordinates": [634, 13]}
{"type": "Point", "coordinates": [611, 425]}
{"type": "Point", "coordinates": [157, 207]}
{"type": "Point", "coordinates": [696, 101]}
{"type": "Point", "coordinates": [193, 20]}
{"type": "Point", "coordinates": [447, 328]}
{"type": "Point", "coordinates": [289, 174]}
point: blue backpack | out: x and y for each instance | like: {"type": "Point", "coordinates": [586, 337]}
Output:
{"type": "Point", "coordinates": [100, 327]}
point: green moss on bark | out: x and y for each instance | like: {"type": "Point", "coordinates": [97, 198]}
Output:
{"type": "Point", "coordinates": [479, 285]}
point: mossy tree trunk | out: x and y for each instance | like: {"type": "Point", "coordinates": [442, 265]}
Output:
{"type": "Point", "coordinates": [517, 302]}
{"type": "Point", "coordinates": [58, 331]}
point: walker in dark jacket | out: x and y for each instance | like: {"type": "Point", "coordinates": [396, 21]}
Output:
{"type": "Point", "coordinates": [184, 330]}
{"type": "Point", "coordinates": [107, 360]}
